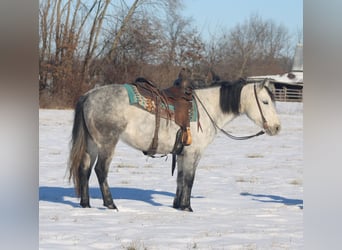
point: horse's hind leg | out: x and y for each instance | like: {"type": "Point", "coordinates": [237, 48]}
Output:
{"type": "Point", "coordinates": [84, 174]}
{"type": "Point", "coordinates": [88, 161]}
{"type": "Point", "coordinates": [101, 169]}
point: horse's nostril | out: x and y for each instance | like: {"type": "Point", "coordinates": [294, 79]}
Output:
{"type": "Point", "coordinates": [277, 128]}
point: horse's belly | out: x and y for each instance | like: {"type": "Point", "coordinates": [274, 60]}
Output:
{"type": "Point", "coordinates": [140, 131]}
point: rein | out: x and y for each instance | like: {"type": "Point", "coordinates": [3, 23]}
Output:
{"type": "Point", "coordinates": [225, 132]}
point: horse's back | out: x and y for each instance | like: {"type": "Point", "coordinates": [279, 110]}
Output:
{"type": "Point", "coordinates": [106, 96]}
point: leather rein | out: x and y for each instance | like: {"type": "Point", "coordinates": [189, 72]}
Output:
{"type": "Point", "coordinates": [228, 134]}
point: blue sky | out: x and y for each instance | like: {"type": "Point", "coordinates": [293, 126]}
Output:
{"type": "Point", "coordinates": [211, 16]}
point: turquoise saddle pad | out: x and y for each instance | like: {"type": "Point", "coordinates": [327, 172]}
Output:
{"type": "Point", "coordinates": [135, 98]}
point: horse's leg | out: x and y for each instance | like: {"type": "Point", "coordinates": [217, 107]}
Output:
{"type": "Point", "coordinates": [186, 165]}
{"type": "Point", "coordinates": [101, 169]}
{"type": "Point", "coordinates": [88, 161]}
{"type": "Point", "coordinates": [84, 174]}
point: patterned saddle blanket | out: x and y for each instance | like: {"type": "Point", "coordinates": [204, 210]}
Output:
{"type": "Point", "coordinates": [148, 104]}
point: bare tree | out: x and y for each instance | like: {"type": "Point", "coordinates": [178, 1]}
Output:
{"type": "Point", "coordinates": [142, 38]}
{"type": "Point", "coordinates": [174, 26]}
{"type": "Point", "coordinates": [44, 34]}
{"type": "Point", "coordinates": [122, 29]}
{"type": "Point", "coordinates": [63, 25]}
{"type": "Point", "coordinates": [254, 47]}
{"type": "Point", "coordinates": [94, 34]}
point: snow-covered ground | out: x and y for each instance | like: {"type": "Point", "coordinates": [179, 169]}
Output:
{"type": "Point", "coordinates": [246, 195]}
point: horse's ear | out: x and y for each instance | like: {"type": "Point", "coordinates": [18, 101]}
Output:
{"type": "Point", "coordinates": [264, 83]}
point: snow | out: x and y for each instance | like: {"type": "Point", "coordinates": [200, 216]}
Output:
{"type": "Point", "coordinates": [246, 194]}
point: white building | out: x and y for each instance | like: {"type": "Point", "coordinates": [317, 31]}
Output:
{"type": "Point", "coordinates": [288, 86]}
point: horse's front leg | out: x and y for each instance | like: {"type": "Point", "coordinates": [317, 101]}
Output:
{"type": "Point", "coordinates": [186, 165]}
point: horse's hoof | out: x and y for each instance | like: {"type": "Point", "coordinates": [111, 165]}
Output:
{"type": "Point", "coordinates": [85, 205]}
{"type": "Point", "coordinates": [187, 209]}
{"type": "Point", "coordinates": [111, 206]}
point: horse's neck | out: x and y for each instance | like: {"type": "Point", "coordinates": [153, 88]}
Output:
{"type": "Point", "coordinates": [247, 96]}
{"type": "Point", "coordinates": [210, 98]}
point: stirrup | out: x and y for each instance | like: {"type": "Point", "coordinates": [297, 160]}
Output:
{"type": "Point", "coordinates": [186, 137]}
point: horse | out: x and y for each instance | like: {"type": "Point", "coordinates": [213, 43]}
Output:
{"type": "Point", "coordinates": [103, 116]}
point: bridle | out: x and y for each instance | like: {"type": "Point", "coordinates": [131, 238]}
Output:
{"type": "Point", "coordinates": [265, 125]}
{"type": "Point", "coordinates": [264, 122]}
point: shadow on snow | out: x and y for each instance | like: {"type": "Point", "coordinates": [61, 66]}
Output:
{"type": "Point", "coordinates": [275, 199]}
{"type": "Point", "coordinates": [58, 194]}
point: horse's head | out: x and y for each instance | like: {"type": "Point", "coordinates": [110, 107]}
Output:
{"type": "Point", "coordinates": [257, 101]}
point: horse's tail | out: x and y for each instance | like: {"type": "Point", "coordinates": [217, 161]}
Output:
{"type": "Point", "coordinates": [78, 144]}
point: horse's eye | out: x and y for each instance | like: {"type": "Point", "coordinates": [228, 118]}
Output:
{"type": "Point", "coordinates": [265, 102]}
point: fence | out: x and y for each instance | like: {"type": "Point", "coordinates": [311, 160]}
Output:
{"type": "Point", "coordinates": [288, 95]}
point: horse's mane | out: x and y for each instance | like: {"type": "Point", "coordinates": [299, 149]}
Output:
{"type": "Point", "coordinates": [230, 93]}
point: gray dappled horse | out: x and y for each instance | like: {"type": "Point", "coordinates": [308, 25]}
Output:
{"type": "Point", "coordinates": [103, 116]}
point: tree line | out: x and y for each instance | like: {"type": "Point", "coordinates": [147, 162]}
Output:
{"type": "Point", "coordinates": [83, 44]}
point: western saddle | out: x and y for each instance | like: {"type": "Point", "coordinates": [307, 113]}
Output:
{"type": "Point", "coordinates": [180, 97]}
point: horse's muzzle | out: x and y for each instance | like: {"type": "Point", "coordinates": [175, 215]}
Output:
{"type": "Point", "coordinates": [272, 130]}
